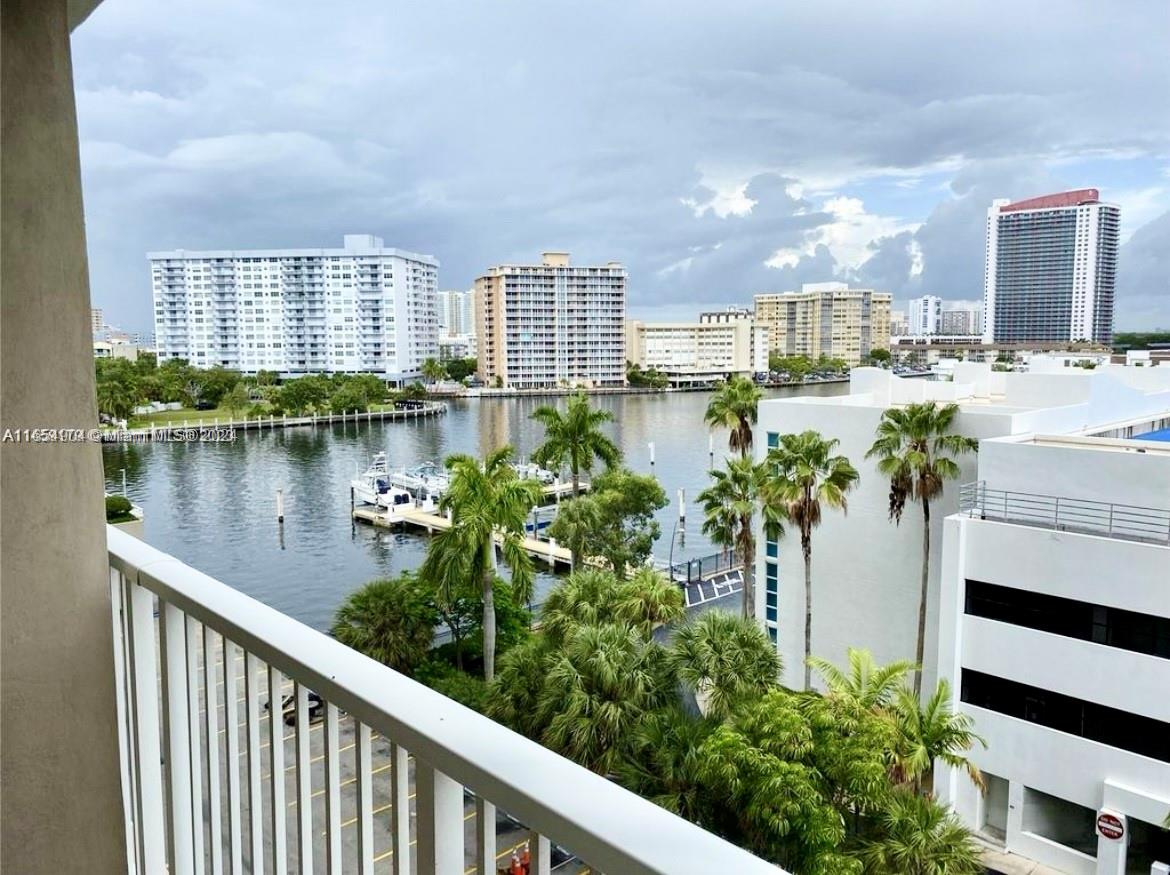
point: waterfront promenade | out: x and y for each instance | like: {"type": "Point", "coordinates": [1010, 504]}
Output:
{"type": "Point", "coordinates": [173, 431]}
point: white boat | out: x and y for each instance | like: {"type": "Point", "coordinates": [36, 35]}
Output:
{"type": "Point", "coordinates": [373, 483]}
{"type": "Point", "coordinates": [533, 471]}
{"type": "Point", "coordinates": [427, 479]}
{"type": "Point", "coordinates": [395, 500]}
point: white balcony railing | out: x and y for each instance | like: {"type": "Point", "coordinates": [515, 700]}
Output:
{"type": "Point", "coordinates": [1126, 522]}
{"type": "Point", "coordinates": [207, 788]}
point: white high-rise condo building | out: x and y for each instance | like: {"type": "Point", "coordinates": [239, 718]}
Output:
{"type": "Point", "coordinates": [363, 308]}
{"type": "Point", "coordinates": [552, 324]}
{"type": "Point", "coordinates": [457, 313]}
{"type": "Point", "coordinates": [925, 314]}
{"type": "Point", "coordinates": [1050, 269]}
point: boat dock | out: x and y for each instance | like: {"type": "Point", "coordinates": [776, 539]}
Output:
{"type": "Point", "coordinates": [549, 551]}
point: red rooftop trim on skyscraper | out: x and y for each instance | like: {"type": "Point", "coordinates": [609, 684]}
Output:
{"type": "Point", "coordinates": [1050, 201]}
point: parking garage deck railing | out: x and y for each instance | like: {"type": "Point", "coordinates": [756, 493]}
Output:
{"type": "Point", "coordinates": [1062, 513]}
{"type": "Point", "coordinates": [204, 760]}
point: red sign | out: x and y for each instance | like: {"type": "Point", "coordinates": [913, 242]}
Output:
{"type": "Point", "coordinates": [1110, 826]}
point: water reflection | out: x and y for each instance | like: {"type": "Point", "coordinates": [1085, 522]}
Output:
{"type": "Point", "coordinates": [214, 505]}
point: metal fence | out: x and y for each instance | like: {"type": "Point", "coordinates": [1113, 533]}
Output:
{"type": "Point", "coordinates": [1126, 522]}
{"type": "Point", "coordinates": [702, 567]}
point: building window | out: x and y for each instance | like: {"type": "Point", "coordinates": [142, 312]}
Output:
{"type": "Point", "coordinates": [773, 440]}
{"type": "Point", "coordinates": [1113, 627]}
{"type": "Point", "coordinates": [1112, 726]}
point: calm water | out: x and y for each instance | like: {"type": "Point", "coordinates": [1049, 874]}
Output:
{"type": "Point", "coordinates": [214, 505]}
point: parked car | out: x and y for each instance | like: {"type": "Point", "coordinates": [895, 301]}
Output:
{"type": "Point", "coordinates": [288, 708]}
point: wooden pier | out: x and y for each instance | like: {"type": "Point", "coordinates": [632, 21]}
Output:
{"type": "Point", "coordinates": [550, 552]}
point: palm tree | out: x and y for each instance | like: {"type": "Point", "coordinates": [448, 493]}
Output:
{"type": "Point", "coordinates": [586, 597]}
{"type": "Point", "coordinates": [117, 398]}
{"type": "Point", "coordinates": [805, 476]}
{"type": "Point", "coordinates": [729, 505]}
{"type": "Point", "coordinates": [734, 407]}
{"type": "Point", "coordinates": [914, 450]}
{"type": "Point", "coordinates": [866, 683]}
{"type": "Point", "coordinates": [574, 437]}
{"type": "Point", "coordinates": [664, 763]}
{"type": "Point", "coordinates": [433, 370]}
{"type": "Point", "coordinates": [576, 522]}
{"type": "Point", "coordinates": [649, 599]}
{"type": "Point", "coordinates": [933, 732]}
{"type": "Point", "coordinates": [920, 837]}
{"type": "Point", "coordinates": [724, 660]}
{"type": "Point", "coordinates": [600, 685]}
{"type": "Point", "coordinates": [485, 501]}
{"type": "Point", "coordinates": [388, 620]}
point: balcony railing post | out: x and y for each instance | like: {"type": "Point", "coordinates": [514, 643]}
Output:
{"type": "Point", "coordinates": [540, 853]}
{"type": "Point", "coordinates": [365, 804]}
{"type": "Point", "coordinates": [485, 835]}
{"type": "Point", "coordinates": [211, 724]}
{"type": "Point", "coordinates": [146, 749]}
{"type": "Point", "coordinates": [439, 821]}
{"type": "Point", "coordinates": [121, 691]}
{"type": "Point", "coordinates": [304, 780]}
{"type": "Point", "coordinates": [276, 771]}
{"type": "Point", "coordinates": [177, 741]}
{"type": "Point", "coordinates": [231, 725]}
{"type": "Point", "coordinates": [400, 808]}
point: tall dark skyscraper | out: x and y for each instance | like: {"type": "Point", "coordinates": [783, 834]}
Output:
{"type": "Point", "coordinates": [1050, 268]}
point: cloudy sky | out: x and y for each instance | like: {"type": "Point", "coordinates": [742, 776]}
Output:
{"type": "Point", "coordinates": [717, 149]}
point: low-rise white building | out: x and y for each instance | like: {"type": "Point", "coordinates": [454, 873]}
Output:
{"type": "Point", "coordinates": [865, 568]}
{"type": "Point", "coordinates": [1054, 631]}
{"type": "Point", "coordinates": [696, 352]}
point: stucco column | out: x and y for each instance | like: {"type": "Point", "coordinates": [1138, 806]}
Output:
{"type": "Point", "coordinates": [61, 801]}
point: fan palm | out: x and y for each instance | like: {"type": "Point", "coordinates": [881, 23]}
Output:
{"type": "Point", "coordinates": [576, 523]}
{"type": "Point", "coordinates": [729, 505]}
{"type": "Point", "coordinates": [804, 477]}
{"type": "Point", "coordinates": [649, 599]}
{"type": "Point", "coordinates": [574, 438]}
{"type": "Point", "coordinates": [931, 732]}
{"type": "Point", "coordinates": [586, 597]}
{"type": "Point", "coordinates": [117, 398]}
{"type": "Point", "coordinates": [734, 407]}
{"type": "Point", "coordinates": [914, 449]}
{"type": "Point", "coordinates": [866, 683]}
{"type": "Point", "coordinates": [920, 837]}
{"type": "Point", "coordinates": [664, 763]}
{"type": "Point", "coordinates": [723, 659]}
{"type": "Point", "coordinates": [485, 502]}
{"type": "Point", "coordinates": [388, 620]}
{"type": "Point", "coordinates": [599, 687]}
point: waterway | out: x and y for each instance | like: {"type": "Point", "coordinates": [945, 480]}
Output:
{"type": "Point", "coordinates": [213, 505]}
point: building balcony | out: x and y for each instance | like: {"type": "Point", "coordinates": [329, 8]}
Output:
{"type": "Point", "coordinates": [257, 793]}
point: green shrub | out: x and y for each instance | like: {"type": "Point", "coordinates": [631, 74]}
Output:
{"type": "Point", "coordinates": [444, 678]}
{"type": "Point", "coordinates": [118, 509]}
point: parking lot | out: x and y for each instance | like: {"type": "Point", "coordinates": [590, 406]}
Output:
{"type": "Point", "coordinates": [510, 836]}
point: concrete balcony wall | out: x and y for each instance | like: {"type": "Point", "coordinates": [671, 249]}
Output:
{"type": "Point", "coordinates": [62, 797]}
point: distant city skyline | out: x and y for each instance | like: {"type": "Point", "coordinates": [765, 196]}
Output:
{"type": "Point", "coordinates": [718, 154]}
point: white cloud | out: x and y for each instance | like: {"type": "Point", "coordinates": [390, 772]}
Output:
{"type": "Point", "coordinates": [848, 237]}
